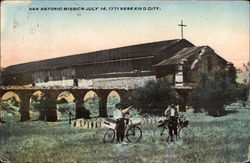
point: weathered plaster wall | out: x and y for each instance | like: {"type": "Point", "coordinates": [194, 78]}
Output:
{"type": "Point", "coordinates": [53, 75]}
{"type": "Point", "coordinates": [205, 61]}
{"type": "Point", "coordinates": [104, 83]}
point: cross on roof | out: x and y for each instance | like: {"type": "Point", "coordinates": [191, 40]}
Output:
{"type": "Point", "coordinates": [182, 25]}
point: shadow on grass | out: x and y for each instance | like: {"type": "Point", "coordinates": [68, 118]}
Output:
{"type": "Point", "coordinates": [223, 113]}
{"type": "Point", "coordinates": [220, 113]}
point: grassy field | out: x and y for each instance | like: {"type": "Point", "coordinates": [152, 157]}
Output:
{"type": "Point", "coordinates": [217, 140]}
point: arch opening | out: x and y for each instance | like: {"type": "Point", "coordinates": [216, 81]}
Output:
{"type": "Point", "coordinates": [37, 104]}
{"type": "Point", "coordinates": [10, 106]}
{"type": "Point", "coordinates": [65, 106]}
{"type": "Point", "coordinates": [91, 103]}
{"type": "Point", "coordinates": [113, 98]}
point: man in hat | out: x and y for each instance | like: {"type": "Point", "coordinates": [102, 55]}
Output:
{"type": "Point", "coordinates": [172, 114]}
{"type": "Point", "coordinates": [118, 115]}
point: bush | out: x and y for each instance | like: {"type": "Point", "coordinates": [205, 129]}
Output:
{"type": "Point", "coordinates": [153, 97]}
{"type": "Point", "coordinates": [215, 90]}
{"type": "Point", "coordinates": [243, 91]}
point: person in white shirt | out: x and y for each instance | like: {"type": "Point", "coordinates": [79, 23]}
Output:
{"type": "Point", "coordinates": [172, 115]}
{"type": "Point", "coordinates": [118, 115]}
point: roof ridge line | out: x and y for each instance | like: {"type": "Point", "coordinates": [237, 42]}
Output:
{"type": "Point", "coordinates": [61, 57]}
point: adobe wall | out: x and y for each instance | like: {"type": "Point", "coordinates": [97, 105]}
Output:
{"type": "Point", "coordinates": [103, 83]}
{"type": "Point", "coordinates": [110, 69]}
{"type": "Point", "coordinates": [206, 61]}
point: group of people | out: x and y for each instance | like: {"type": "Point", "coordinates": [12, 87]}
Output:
{"type": "Point", "coordinates": [119, 113]}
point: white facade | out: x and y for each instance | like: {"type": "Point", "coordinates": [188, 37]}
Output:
{"type": "Point", "coordinates": [102, 83]}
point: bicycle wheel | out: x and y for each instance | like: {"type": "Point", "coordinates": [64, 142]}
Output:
{"type": "Point", "coordinates": [161, 132]}
{"type": "Point", "coordinates": [109, 136]}
{"type": "Point", "coordinates": [134, 134]}
{"type": "Point", "coordinates": [186, 134]}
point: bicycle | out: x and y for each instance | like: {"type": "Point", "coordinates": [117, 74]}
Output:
{"type": "Point", "coordinates": [184, 132]}
{"type": "Point", "coordinates": [133, 132]}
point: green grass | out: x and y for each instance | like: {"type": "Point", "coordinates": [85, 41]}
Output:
{"type": "Point", "coordinates": [217, 140]}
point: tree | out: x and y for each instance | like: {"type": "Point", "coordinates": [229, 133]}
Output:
{"type": "Point", "coordinates": [215, 90]}
{"type": "Point", "coordinates": [246, 66]}
{"type": "Point", "coordinates": [154, 97]}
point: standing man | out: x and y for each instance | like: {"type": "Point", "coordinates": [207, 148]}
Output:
{"type": "Point", "coordinates": [172, 114]}
{"type": "Point", "coordinates": [118, 115]}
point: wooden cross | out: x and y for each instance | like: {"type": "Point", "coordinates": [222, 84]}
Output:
{"type": "Point", "coordinates": [182, 25]}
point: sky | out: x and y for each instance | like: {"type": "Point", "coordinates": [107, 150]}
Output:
{"type": "Point", "coordinates": [31, 35]}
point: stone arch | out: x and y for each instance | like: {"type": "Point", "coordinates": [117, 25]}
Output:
{"type": "Point", "coordinates": [10, 107]}
{"type": "Point", "coordinates": [65, 105]}
{"type": "Point", "coordinates": [48, 112]}
{"type": "Point", "coordinates": [92, 103]}
{"type": "Point", "coordinates": [35, 104]}
{"type": "Point", "coordinates": [112, 99]}
{"type": "Point", "coordinates": [125, 96]}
